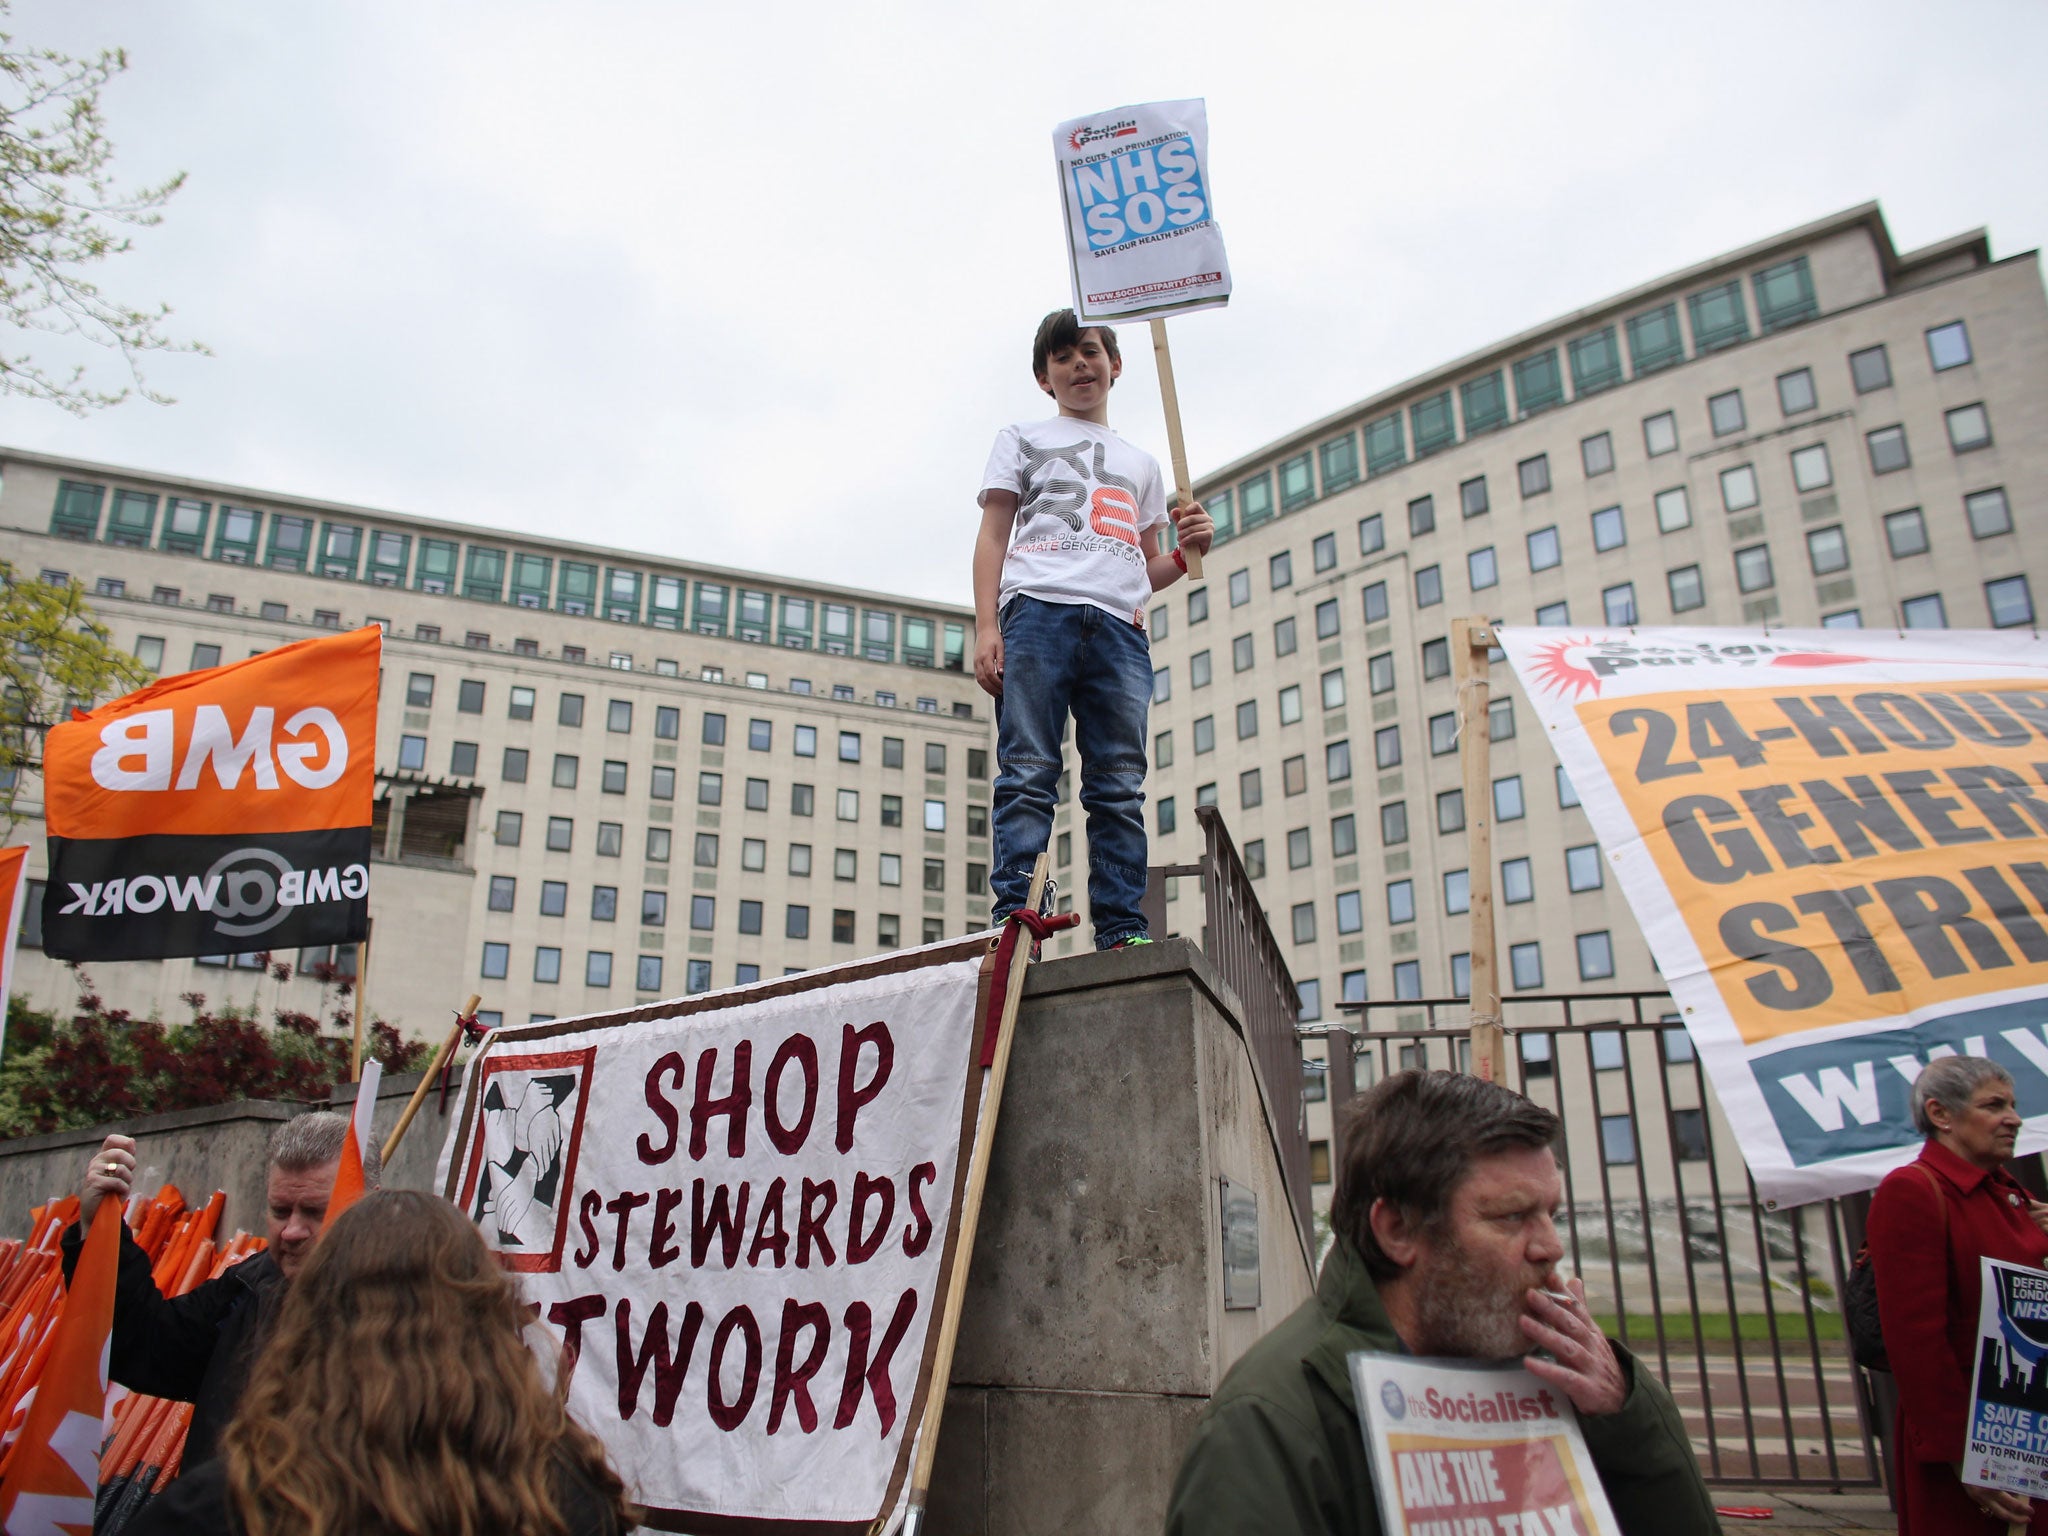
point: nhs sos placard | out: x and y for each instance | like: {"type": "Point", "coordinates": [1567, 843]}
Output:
{"type": "Point", "coordinates": [1141, 229]}
{"type": "Point", "coordinates": [217, 812]}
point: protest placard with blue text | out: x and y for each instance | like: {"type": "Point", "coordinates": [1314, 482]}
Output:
{"type": "Point", "coordinates": [1142, 238]}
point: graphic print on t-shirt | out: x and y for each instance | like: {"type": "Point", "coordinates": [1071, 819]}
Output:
{"type": "Point", "coordinates": [1085, 498]}
{"type": "Point", "coordinates": [1058, 497]}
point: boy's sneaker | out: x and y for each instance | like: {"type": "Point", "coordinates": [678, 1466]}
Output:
{"type": "Point", "coordinates": [1130, 942]}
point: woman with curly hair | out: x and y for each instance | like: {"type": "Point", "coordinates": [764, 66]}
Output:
{"type": "Point", "coordinates": [398, 1395]}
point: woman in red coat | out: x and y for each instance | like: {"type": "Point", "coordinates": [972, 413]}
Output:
{"type": "Point", "coordinates": [1930, 1222]}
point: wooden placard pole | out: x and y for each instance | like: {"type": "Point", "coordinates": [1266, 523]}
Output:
{"type": "Point", "coordinates": [1471, 640]}
{"type": "Point", "coordinates": [970, 1219]}
{"type": "Point", "coordinates": [419, 1094]}
{"type": "Point", "coordinates": [1176, 444]}
{"type": "Point", "coordinates": [355, 1059]}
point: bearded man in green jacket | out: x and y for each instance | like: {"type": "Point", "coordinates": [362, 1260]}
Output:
{"type": "Point", "coordinates": [1446, 1241]}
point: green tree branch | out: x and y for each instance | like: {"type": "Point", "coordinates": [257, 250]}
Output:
{"type": "Point", "coordinates": [60, 215]}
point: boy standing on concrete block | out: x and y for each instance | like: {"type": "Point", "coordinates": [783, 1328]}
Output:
{"type": "Point", "coordinates": [1067, 559]}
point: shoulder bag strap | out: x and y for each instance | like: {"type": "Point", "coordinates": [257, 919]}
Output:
{"type": "Point", "coordinates": [1940, 1199]}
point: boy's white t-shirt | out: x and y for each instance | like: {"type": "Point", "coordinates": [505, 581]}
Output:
{"type": "Point", "coordinates": [1084, 496]}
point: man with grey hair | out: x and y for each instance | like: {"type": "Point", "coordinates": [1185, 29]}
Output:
{"type": "Point", "coordinates": [197, 1348]}
{"type": "Point", "coordinates": [1446, 1245]}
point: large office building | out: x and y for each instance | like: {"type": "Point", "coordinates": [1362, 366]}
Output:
{"type": "Point", "coordinates": [606, 776]}
{"type": "Point", "coordinates": [603, 776]}
{"type": "Point", "coordinates": [1815, 430]}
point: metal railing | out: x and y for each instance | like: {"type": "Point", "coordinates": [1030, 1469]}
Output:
{"type": "Point", "coordinates": [1733, 1303]}
{"type": "Point", "coordinates": [1240, 944]}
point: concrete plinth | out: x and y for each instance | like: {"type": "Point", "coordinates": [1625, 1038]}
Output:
{"type": "Point", "coordinates": [1095, 1328]}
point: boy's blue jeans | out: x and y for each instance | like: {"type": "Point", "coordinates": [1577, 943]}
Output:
{"type": "Point", "coordinates": [1060, 658]}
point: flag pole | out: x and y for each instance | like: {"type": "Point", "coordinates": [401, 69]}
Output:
{"type": "Point", "coordinates": [1471, 642]}
{"type": "Point", "coordinates": [355, 1061]}
{"type": "Point", "coordinates": [1176, 444]}
{"type": "Point", "coordinates": [419, 1094]}
{"type": "Point", "coordinates": [970, 1216]}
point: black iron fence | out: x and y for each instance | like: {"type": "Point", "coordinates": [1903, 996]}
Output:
{"type": "Point", "coordinates": [1735, 1304]}
{"type": "Point", "coordinates": [1240, 944]}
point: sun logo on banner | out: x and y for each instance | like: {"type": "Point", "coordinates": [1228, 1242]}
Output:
{"type": "Point", "coordinates": [1559, 673]}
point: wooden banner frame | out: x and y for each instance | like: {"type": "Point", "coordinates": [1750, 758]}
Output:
{"type": "Point", "coordinates": [426, 1082]}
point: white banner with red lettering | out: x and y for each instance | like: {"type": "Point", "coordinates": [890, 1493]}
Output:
{"type": "Point", "coordinates": [736, 1212]}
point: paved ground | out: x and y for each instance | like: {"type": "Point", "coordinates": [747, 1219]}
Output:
{"type": "Point", "coordinates": [1746, 1423]}
{"type": "Point", "coordinates": [1811, 1514]}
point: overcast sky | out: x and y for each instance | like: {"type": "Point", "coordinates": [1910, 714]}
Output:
{"type": "Point", "coordinates": [755, 285]}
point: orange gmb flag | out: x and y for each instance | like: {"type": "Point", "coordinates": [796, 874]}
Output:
{"type": "Point", "coordinates": [349, 1179]}
{"type": "Point", "coordinates": [13, 872]}
{"type": "Point", "coordinates": [55, 1468]}
{"type": "Point", "coordinates": [217, 812]}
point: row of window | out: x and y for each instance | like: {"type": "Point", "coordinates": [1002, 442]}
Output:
{"type": "Point", "coordinates": [1618, 1147]}
{"type": "Point", "coordinates": [1539, 386]}
{"type": "Point", "coordinates": [1656, 339]}
{"type": "Point", "coordinates": [510, 827]}
{"type": "Point", "coordinates": [598, 967]}
{"type": "Point", "coordinates": [1517, 885]}
{"type": "Point", "coordinates": [620, 661]}
{"type": "Point", "coordinates": [420, 688]}
{"type": "Point", "coordinates": [547, 966]}
{"type": "Point", "coordinates": [567, 769]}
{"type": "Point", "coordinates": [471, 694]}
{"type": "Point", "coordinates": [2008, 600]}
{"type": "Point", "coordinates": [1508, 805]}
{"type": "Point", "coordinates": [1988, 511]}
{"type": "Point", "coordinates": [1337, 756]}
{"type": "Point", "coordinates": [1594, 952]}
{"type": "Point", "coordinates": [241, 535]}
{"type": "Point", "coordinates": [554, 894]}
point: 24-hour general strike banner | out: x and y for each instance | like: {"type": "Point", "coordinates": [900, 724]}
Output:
{"type": "Point", "coordinates": [1142, 238]}
{"type": "Point", "coordinates": [1836, 843]}
{"type": "Point", "coordinates": [737, 1213]}
{"type": "Point", "coordinates": [217, 812]}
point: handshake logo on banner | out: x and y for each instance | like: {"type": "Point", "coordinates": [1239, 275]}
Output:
{"type": "Point", "coordinates": [184, 820]}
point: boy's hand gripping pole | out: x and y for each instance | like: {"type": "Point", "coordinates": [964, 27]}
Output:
{"type": "Point", "coordinates": [1176, 445]}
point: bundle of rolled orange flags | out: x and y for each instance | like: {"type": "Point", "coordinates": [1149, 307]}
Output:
{"type": "Point", "coordinates": [145, 1435]}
